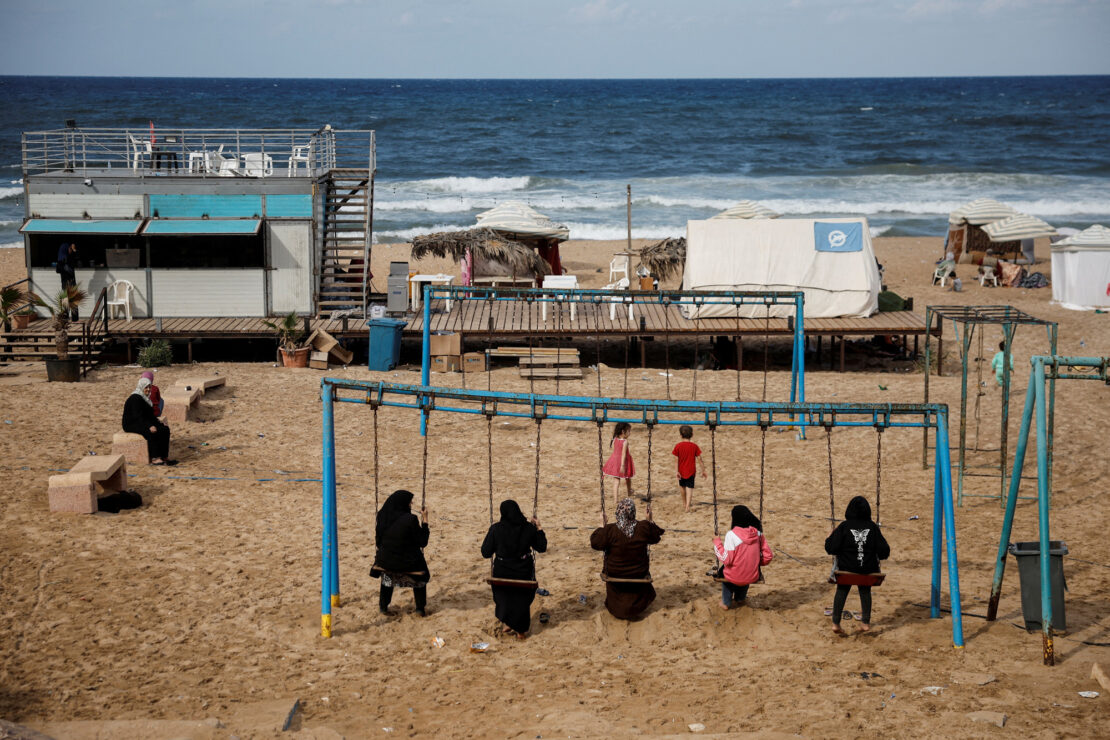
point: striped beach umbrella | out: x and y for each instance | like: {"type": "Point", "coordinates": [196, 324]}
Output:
{"type": "Point", "coordinates": [980, 211]}
{"type": "Point", "coordinates": [747, 209]}
{"type": "Point", "coordinates": [1018, 226]}
{"type": "Point", "coordinates": [1093, 236]}
{"type": "Point", "coordinates": [521, 220]}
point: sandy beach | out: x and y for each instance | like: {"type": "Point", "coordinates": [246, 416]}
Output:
{"type": "Point", "coordinates": [198, 615]}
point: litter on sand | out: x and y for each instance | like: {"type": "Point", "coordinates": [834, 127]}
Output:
{"type": "Point", "coordinates": [479, 647]}
{"type": "Point", "coordinates": [1089, 694]}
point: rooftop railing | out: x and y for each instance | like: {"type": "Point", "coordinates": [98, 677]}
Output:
{"type": "Point", "coordinates": [143, 152]}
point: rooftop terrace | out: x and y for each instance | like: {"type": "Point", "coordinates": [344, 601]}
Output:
{"type": "Point", "coordinates": [147, 152]}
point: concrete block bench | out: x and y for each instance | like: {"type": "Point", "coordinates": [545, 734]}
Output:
{"type": "Point", "coordinates": [132, 447]}
{"type": "Point", "coordinates": [77, 491]}
{"type": "Point", "coordinates": [204, 384]}
{"type": "Point", "coordinates": [180, 400]}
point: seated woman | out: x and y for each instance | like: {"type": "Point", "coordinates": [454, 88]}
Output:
{"type": "Point", "coordinates": [626, 556]}
{"type": "Point", "coordinates": [399, 559]}
{"type": "Point", "coordinates": [742, 553]}
{"type": "Point", "coordinates": [510, 543]}
{"type": "Point", "coordinates": [858, 545]}
{"type": "Point", "coordinates": [139, 418]}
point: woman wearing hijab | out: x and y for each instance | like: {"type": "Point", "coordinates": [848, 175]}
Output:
{"type": "Point", "coordinates": [399, 561]}
{"type": "Point", "coordinates": [139, 418]}
{"type": "Point", "coordinates": [625, 544]}
{"type": "Point", "coordinates": [858, 545]}
{"type": "Point", "coordinates": [742, 553]}
{"type": "Point", "coordinates": [510, 543]}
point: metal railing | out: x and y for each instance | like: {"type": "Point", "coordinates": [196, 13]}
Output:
{"type": "Point", "coordinates": [196, 152]}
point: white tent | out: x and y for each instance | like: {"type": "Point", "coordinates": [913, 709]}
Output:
{"type": "Point", "coordinates": [830, 259]}
{"type": "Point", "coordinates": [1081, 270]}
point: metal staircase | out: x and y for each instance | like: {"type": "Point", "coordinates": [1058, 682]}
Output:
{"type": "Point", "coordinates": [343, 280]}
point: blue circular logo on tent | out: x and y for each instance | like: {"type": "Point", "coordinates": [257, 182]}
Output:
{"type": "Point", "coordinates": [837, 239]}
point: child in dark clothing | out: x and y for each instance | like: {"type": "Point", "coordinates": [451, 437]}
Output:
{"type": "Point", "coordinates": [858, 545]}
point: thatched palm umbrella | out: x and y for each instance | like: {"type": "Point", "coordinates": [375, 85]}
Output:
{"type": "Point", "coordinates": [665, 258]}
{"type": "Point", "coordinates": [481, 243]}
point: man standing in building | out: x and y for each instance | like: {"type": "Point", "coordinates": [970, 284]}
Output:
{"type": "Point", "coordinates": [67, 261]}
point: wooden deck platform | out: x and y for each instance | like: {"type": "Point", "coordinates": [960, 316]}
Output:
{"type": "Point", "coordinates": [481, 321]}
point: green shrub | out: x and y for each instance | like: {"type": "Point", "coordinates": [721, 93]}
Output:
{"type": "Point", "coordinates": [156, 354]}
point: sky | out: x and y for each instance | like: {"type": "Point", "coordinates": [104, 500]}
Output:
{"type": "Point", "coordinates": [554, 39]}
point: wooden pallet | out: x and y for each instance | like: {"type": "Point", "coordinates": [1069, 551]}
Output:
{"type": "Point", "coordinates": [533, 352]}
{"type": "Point", "coordinates": [553, 361]}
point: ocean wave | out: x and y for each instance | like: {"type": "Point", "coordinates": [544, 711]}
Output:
{"type": "Point", "coordinates": [474, 185]}
{"type": "Point", "coordinates": [6, 193]}
{"type": "Point", "coordinates": [12, 245]}
{"type": "Point", "coordinates": [620, 231]}
{"type": "Point", "coordinates": [879, 230]}
{"type": "Point", "coordinates": [385, 236]}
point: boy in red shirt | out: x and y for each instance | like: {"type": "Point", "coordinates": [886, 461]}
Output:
{"type": "Point", "coordinates": [689, 463]}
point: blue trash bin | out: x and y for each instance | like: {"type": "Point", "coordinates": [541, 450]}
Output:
{"type": "Point", "coordinates": [385, 343]}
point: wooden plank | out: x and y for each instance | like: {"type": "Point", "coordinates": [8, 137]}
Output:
{"type": "Point", "coordinates": [541, 373]}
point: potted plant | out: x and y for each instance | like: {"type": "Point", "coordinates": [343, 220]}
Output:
{"type": "Point", "coordinates": [64, 368]}
{"type": "Point", "coordinates": [294, 353]}
{"type": "Point", "coordinates": [12, 302]}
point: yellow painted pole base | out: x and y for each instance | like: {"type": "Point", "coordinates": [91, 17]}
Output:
{"type": "Point", "coordinates": [335, 600]}
{"type": "Point", "coordinates": [325, 625]}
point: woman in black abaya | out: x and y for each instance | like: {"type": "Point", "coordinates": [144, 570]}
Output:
{"type": "Point", "coordinates": [510, 543]}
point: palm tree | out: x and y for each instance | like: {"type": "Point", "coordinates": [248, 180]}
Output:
{"type": "Point", "coordinates": [11, 300]}
{"type": "Point", "coordinates": [60, 308]}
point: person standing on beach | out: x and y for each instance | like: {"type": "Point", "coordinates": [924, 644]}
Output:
{"type": "Point", "coordinates": [689, 463]}
{"type": "Point", "coordinates": [998, 363]}
{"type": "Point", "coordinates": [67, 261]}
{"type": "Point", "coordinates": [619, 466]}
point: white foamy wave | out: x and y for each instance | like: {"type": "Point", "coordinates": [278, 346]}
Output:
{"type": "Point", "coordinates": [879, 230]}
{"type": "Point", "coordinates": [1047, 208]}
{"type": "Point", "coordinates": [620, 231]}
{"type": "Point", "coordinates": [12, 245]}
{"type": "Point", "coordinates": [429, 205]}
{"type": "Point", "coordinates": [468, 184]}
{"type": "Point", "coordinates": [386, 236]}
{"type": "Point", "coordinates": [8, 223]}
{"type": "Point", "coordinates": [717, 204]}
{"type": "Point", "coordinates": [6, 193]}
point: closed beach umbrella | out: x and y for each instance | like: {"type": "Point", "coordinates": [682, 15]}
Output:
{"type": "Point", "coordinates": [1018, 226]}
{"type": "Point", "coordinates": [747, 209]}
{"type": "Point", "coordinates": [981, 211]}
{"type": "Point", "coordinates": [1094, 236]}
{"type": "Point", "coordinates": [520, 220]}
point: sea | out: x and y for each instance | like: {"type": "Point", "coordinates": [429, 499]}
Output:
{"type": "Point", "coordinates": [902, 152]}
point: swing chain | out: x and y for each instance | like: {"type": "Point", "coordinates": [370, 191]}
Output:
{"type": "Point", "coordinates": [650, 427]}
{"type": "Point", "coordinates": [424, 463]}
{"type": "Point", "coordinates": [832, 496]}
{"type": "Point", "coordinates": [713, 465]}
{"type": "Point", "coordinates": [601, 468]}
{"type": "Point", "coordinates": [536, 494]}
{"type": "Point", "coordinates": [762, 464]}
{"type": "Point", "coordinates": [879, 473]}
{"type": "Point", "coordinates": [489, 460]}
{"type": "Point", "coordinates": [374, 407]}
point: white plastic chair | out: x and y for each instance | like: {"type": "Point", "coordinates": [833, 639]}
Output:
{"type": "Point", "coordinates": [258, 164]}
{"type": "Point", "coordinates": [621, 284]}
{"type": "Point", "coordinates": [988, 275]}
{"type": "Point", "coordinates": [139, 149]}
{"type": "Point", "coordinates": [302, 153]}
{"type": "Point", "coordinates": [559, 281]}
{"type": "Point", "coordinates": [224, 166]}
{"type": "Point", "coordinates": [119, 296]}
{"type": "Point", "coordinates": [618, 267]}
{"type": "Point", "coordinates": [943, 272]}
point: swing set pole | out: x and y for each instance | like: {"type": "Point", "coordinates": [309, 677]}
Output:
{"type": "Point", "coordinates": [329, 566]}
{"type": "Point", "coordinates": [426, 354]}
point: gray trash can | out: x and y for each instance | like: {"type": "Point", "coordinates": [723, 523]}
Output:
{"type": "Point", "coordinates": [1029, 572]}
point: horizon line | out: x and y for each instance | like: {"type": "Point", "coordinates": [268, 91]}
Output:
{"type": "Point", "coordinates": [577, 79]}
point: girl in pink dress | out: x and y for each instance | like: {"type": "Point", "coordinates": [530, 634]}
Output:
{"type": "Point", "coordinates": [619, 466]}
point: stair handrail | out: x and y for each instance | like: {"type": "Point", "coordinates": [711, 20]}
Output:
{"type": "Point", "coordinates": [88, 335]}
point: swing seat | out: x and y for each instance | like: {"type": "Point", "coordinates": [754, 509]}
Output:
{"type": "Point", "coordinates": [846, 578]}
{"type": "Point", "coordinates": [512, 582]}
{"type": "Point", "coordinates": [376, 571]}
{"type": "Point", "coordinates": [610, 579]}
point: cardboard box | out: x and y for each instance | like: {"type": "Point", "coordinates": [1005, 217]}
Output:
{"type": "Point", "coordinates": [318, 360]}
{"type": "Point", "coordinates": [445, 343]}
{"type": "Point", "coordinates": [446, 364]}
{"type": "Point", "coordinates": [647, 283]}
{"type": "Point", "coordinates": [474, 362]}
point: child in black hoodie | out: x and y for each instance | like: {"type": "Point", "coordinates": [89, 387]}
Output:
{"type": "Point", "coordinates": [858, 545]}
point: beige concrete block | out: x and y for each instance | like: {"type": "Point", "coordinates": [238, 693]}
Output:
{"type": "Point", "coordinates": [71, 498]}
{"type": "Point", "coordinates": [132, 447]}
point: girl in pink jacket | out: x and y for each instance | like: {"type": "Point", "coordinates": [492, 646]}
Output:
{"type": "Point", "coordinates": [741, 554]}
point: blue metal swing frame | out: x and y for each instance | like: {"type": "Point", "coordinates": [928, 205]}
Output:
{"type": "Point", "coordinates": [598, 410]}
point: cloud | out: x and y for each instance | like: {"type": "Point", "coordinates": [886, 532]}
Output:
{"type": "Point", "coordinates": [599, 11]}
